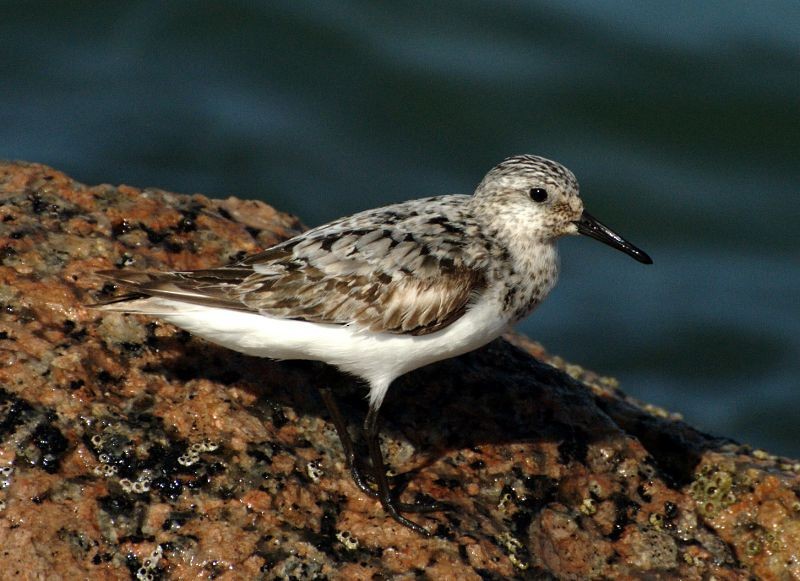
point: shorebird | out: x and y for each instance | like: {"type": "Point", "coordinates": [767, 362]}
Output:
{"type": "Point", "coordinates": [386, 291]}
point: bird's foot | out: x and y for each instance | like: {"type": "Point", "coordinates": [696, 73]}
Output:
{"type": "Point", "coordinates": [422, 506]}
{"type": "Point", "coordinates": [392, 505]}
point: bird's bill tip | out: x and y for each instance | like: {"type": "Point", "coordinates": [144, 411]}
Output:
{"type": "Point", "coordinates": [590, 226]}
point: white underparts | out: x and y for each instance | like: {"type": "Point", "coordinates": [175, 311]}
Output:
{"type": "Point", "coordinates": [379, 358]}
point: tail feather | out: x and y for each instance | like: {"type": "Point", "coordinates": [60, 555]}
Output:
{"type": "Point", "coordinates": [134, 278]}
{"type": "Point", "coordinates": [137, 304]}
{"type": "Point", "coordinates": [114, 300]}
{"type": "Point", "coordinates": [150, 289]}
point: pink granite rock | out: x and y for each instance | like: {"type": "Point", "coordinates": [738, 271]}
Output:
{"type": "Point", "coordinates": [130, 449]}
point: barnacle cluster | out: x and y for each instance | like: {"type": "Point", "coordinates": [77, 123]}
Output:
{"type": "Point", "coordinates": [713, 491]}
{"type": "Point", "coordinates": [769, 541]}
{"type": "Point", "coordinates": [138, 486]}
{"type": "Point", "coordinates": [348, 540]}
{"type": "Point", "coordinates": [104, 468]}
{"type": "Point", "coordinates": [115, 457]}
{"type": "Point", "coordinates": [147, 571]}
{"type": "Point", "coordinates": [192, 455]}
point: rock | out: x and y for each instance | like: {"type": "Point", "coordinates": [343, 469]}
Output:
{"type": "Point", "coordinates": [129, 448]}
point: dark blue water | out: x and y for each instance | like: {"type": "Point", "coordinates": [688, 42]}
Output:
{"type": "Point", "coordinates": [682, 121]}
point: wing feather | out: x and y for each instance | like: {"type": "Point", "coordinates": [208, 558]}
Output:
{"type": "Point", "coordinates": [396, 279]}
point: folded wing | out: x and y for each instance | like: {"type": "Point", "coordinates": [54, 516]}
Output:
{"type": "Point", "coordinates": [382, 280]}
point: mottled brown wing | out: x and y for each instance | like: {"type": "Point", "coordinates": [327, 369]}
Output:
{"type": "Point", "coordinates": [384, 281]}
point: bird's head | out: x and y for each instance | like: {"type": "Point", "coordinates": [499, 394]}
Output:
{"type": "Point", "coordinates": [543, 195]}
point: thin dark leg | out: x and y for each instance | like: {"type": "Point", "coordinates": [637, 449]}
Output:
{"type": "Point", "coordinates": [347, 442]}
{"type": "Point", "coordinates": [383, 492]}
{"type": "Point", "coordinates": [379, 474]}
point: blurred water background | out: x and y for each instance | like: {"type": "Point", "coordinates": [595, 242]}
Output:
{"type": "Point", "coordinates": [681, 120]}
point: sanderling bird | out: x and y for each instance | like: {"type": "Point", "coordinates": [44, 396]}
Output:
{"type": "Point", "coordinates": [386, 291]}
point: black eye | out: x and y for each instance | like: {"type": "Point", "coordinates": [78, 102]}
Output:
{"type": "Point", "coordinates": [538, 194]}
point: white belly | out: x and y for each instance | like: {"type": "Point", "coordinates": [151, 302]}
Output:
{"type": "Point", "coordinates": [378, 358]}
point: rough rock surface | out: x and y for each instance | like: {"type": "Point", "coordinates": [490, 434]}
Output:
{"type": "Point", "coordinates": [129, 449]}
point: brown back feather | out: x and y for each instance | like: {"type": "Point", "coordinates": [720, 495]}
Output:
{"type": "Point", "coordinates": [391, 282]}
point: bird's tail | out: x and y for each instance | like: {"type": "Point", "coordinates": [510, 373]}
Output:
{"type": "Point", "coordinates": [139, 300]}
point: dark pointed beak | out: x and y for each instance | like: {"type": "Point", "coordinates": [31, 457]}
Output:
{"type": "Point", "coordinates": [594, 229]}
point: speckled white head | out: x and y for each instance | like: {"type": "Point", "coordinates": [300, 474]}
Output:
{"type": "Point", "coordinates": [540, 197]}
{"type": "Point", "coordinates": [538, 194]}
